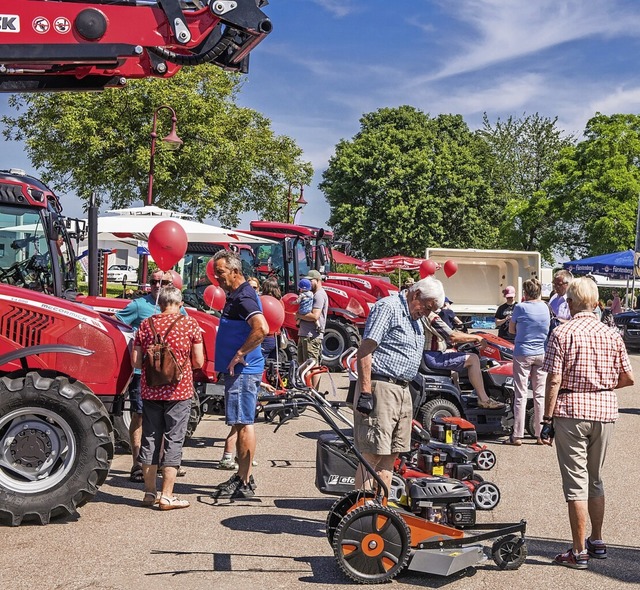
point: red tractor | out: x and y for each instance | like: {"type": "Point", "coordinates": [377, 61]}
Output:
{"type": "Point", "coordinates": [56, 409]}
{"type": "Point", "coordinates": [64, 367]}
{"type": "Point", "coordinates": [297, 250]}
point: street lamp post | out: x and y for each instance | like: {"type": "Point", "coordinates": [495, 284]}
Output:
{"type": "Point", "coordinates": [173, 142]}
{"type": "Point", "coordinates": [299, 201]}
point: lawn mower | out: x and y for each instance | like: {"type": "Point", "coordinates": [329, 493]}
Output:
{"type": "Point", "coordinates": [375, 536]}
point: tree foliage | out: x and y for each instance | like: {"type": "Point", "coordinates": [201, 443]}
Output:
{"type": "Point", "coordinates": [231, 161]}
{"type": "Point", "coordinates": [524, 153]}
{"type": "Point", "coordinates": [407, 181]}
{"type": "Point", "coordinates": [596, 186]}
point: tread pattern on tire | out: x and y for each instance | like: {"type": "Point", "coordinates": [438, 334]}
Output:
{"type": "Point", "coordinates": [90, 422]}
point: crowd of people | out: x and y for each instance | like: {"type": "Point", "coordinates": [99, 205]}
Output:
{"type": "Point", "coordinates": [573, 361]}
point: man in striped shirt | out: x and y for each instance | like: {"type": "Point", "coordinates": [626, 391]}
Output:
{"type": "Point", "coordinates": [585, 361]}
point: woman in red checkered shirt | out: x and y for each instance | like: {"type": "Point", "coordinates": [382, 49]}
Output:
{"type": "Point", "coordinates": [585, 361]}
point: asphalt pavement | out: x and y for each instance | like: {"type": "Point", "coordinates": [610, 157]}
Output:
{"type": "Point", "coordinates": [277, 540]}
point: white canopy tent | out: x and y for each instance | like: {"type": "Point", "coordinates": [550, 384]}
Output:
{"type": "Point", "coordinates": [136, 224]}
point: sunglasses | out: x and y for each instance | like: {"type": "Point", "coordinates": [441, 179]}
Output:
{"type": "Point", "coordinates": [160, 282]}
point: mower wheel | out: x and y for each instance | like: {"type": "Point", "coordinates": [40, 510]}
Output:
{"type": "Point", "coordinates": [372, 544]}
{"type": "Point", "coordinates": [485, 460]}
{"type": "Point", "coordinates": [340, 508]}
{"type": "Point", "coordinates": [437, 407]}
{"type": "Point", "coordinates": [509, 552]}
{"type": "Point", "coordinates": [486, 496]}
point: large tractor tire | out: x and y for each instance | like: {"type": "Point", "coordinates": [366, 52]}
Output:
{"type": "Point", "coordinates": [56, 446]}
{"type": "Point", "coordinates": [338, 337]}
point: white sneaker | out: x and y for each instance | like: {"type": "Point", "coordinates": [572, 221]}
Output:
{"type": "Point", "coordinates": [227, 464]}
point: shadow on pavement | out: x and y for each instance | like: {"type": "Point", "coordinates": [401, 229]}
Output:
{"type": "Point", "coordinates": [276, 524]}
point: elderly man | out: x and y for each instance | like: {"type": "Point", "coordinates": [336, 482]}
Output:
{"type": "Point", "coordinates": [585, 362]}
{"type": "Point", "coordinates": [238, 356]}
{"type": "Point", "coordinates": [388, 358]}
{"type": "Point", "coordinates": [558, 303]}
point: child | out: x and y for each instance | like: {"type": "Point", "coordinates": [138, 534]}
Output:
{"type": "Point", "coordinates": [305, 299]}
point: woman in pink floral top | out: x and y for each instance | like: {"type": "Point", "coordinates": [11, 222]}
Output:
{"type": "Point", "coordinates": [165, 413]}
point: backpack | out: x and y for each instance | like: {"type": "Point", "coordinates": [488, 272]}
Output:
{"type": "Point", "coordinates": [161, 367]}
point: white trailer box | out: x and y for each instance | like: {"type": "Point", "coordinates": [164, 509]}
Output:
{"type": "Point", "coordinates": [476, 287]}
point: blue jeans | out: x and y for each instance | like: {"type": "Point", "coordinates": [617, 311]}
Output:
{"type": "Point", "coordinates": [241, 398]}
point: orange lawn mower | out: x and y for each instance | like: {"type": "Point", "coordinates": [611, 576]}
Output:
{"type": "Point", "coordinates": [374, 539]}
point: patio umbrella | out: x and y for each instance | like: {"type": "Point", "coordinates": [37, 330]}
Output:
{"type": "Point", "coordinates": [393, 263]}
{"type": "Point", "coordinates": [137, 222]}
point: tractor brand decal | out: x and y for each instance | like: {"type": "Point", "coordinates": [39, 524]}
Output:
{"type": "Point", "coordinates": [333, 290]}
{"type": "Point", "coordinates": [341, 480]}
{"type": "Point", "coordinates": [96, 323]}
{"type": "Point", "coordinates": [62, 25]}
{"type": "Point", "coordinates": [9, 23]}
{"type": "Point", "coordinates": [41, 25]}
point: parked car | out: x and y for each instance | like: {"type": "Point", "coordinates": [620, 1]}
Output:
{"type": "Point", "coordinates": [628, 323]}
{"type": "Point", "coordinates": [117, 273]}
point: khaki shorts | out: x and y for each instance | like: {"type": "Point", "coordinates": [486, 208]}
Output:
{"type": "Point", "coordinates": [581, 446]}
{"type": "Point", "coordinates": [309, 348]}
{"type": "Point", "coordinates": [387, 430]}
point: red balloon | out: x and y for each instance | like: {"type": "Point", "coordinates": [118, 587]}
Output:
{"type": "Point", "coordinates": [211, 275]}
{"type": "Point", "coordinates": [290, 302]}
{"type": "Point", "coordinates": [176, 279]}
{"type": "Point", "coordinates": [450, 268]}
{"type": "Point", "coordinates": [273, 312]}
{"type": "Point", "coordinates": [214, 297]}
{"type": "Point", "coordinates": [167, 244]}
{"type": "Point", "coordinates": [427, 268]}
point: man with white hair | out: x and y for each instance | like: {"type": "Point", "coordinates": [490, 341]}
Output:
{"type": "Point", "coordinates": [388, 359]}
{"type": "Point", "coordinates": [585, 361]}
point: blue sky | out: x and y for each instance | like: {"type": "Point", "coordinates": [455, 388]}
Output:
{"type": "Point", "coordinates": [329, 61]}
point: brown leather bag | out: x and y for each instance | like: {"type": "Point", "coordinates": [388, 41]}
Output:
{"type": "Point", "coordinates": [161, 367]}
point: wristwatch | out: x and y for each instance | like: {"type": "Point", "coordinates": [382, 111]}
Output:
{"type": "Point", "coordinates": [546, 419]}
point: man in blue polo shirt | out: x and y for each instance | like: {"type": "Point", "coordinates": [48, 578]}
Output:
{"type": "Point", "coordinates": [239, 357]}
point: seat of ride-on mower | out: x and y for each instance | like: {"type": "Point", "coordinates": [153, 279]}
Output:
{"type": "Point", "coordinates": [427, 371]}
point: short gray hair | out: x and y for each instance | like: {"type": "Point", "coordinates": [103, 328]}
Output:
{"type": "Point", "coordinates": [231, 259]}
{"type": "Point", "coordinates": [170, 295]}
{"type": "Point", "coordinates": [429, 288]}
{"type": "Point", "coordinates": [583, 293]}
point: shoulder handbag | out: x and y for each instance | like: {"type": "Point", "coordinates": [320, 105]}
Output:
{"type": "Point", "coordinates": [161, 367]}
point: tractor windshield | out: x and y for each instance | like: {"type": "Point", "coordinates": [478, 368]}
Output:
{"type": "Point", "coordinates": [25, 257]}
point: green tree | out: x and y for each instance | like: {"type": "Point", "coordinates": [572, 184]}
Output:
{"type": "Point", "coordinates": [595, 188]}
{"type": "Point", "coordinates": [407, 181]}
{"type": "Point", "coordinates": [230, 162]}
{"type": "Point", "coordinates": [524, 152]}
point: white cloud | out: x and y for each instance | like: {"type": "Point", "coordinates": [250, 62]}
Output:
{"type": "Point", "coordinates": [339, 8]}
{"type": "Point", "coordinates": [502, 30]}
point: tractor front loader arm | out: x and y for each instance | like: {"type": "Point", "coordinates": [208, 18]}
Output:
{"type": "Point", "coordinates": [50, 46]}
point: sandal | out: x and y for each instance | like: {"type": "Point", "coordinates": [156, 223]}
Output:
{"type": "Point", "coordinates": [514, 442]}
{"type": "Point", "coordinates": [136, 474]}
{"type": "Point", "coordinates": [491, 404]}
{"type": "Point", "coordinates": [174, 503]}
{"type": "Point", "coordinates": [150, 499]}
